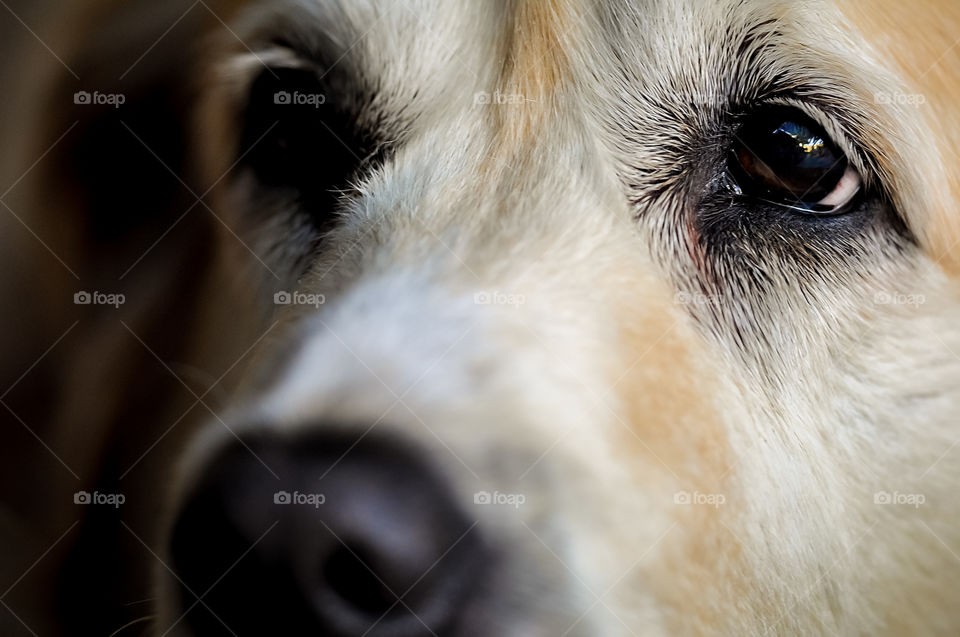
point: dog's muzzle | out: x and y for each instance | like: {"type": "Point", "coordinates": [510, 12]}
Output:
{"type": "Point", "coordinates": [325, 536]}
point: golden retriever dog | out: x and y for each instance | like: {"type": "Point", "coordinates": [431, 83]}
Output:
{"type": "Point", "coordinates": [501, 318]}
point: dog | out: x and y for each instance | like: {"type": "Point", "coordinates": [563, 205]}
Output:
{"type": "Point", "coordinates": [397, 318]}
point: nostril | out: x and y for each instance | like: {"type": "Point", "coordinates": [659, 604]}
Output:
{"type": "Point", "coordinates": [349, 574]}
{"type": "Point", "coordinates": [386, 553]}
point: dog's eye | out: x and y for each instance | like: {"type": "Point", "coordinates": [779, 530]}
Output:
{"type": "Point", "coordinates": [782, 156]}
{"type": "Point", "coordinates": [299, 140]}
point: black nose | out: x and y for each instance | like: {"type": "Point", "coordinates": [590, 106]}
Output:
{"type": "Point", "coordinates": [354, 538]}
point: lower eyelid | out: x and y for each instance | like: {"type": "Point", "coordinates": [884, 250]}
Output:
{"type": "Point", "coordinates": [846, 189]}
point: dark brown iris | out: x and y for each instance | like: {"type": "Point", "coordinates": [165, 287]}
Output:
{"type": "Point", "coordinates": [783, 155]}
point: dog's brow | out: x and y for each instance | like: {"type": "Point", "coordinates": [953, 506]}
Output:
{"type": "Point", "coordinates": [925, 90]}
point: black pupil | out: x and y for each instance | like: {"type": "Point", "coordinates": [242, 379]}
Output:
{"type": "Point", "coordinates": [784, 155]}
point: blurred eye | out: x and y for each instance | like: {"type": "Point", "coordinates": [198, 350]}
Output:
{"type": "Point", "coordinates": [298, 141]}
{"type": "Point", "coordinates": [782, 156]}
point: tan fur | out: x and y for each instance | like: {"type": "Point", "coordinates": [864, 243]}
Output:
{"type": "Point", "coordinates": [675, 441]}
{"type": "Point", "coordinates": [918, 42]}
{"type": "Point", "coordinates": [536, 66]}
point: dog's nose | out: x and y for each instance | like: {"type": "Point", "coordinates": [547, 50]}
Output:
{"type": "Point", "coordinates": [327, 536]}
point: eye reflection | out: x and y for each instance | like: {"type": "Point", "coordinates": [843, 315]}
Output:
{"type": "Point", "coordinates": [782, 156]}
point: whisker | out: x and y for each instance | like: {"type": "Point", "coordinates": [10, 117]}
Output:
{"type": "Point", "coordinates": [141, 601]}
{"type": "Point", "coordinates": [139, 620]}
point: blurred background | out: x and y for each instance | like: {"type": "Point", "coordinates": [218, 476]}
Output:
{"type": "Point", "coordinates": [15, 38]}
{"type": "Point", "coordinates": [24, 24]}
{"type": "Point", "coordinates": [47, 54]}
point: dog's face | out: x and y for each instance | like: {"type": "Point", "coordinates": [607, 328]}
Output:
{"type": "Point", "coordinates": [573, 318]}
